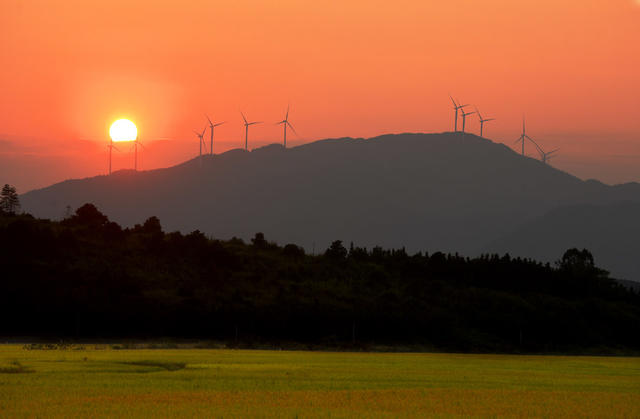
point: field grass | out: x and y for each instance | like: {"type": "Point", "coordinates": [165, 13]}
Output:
{"type": "Point", "coordinates": [100, 381]}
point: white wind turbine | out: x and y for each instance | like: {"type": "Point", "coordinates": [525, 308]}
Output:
{"type": "Point", "coordinates": [212, 126]}
{"type": "Point", "coordinates": [201, 138]}
{"type": "Point", "coordinates": [464, 119]}
{"type": "Point", "coordinates": [482, 121]}
{"type": "Point", "coordinates": [111, 147]}
{"type": "Point", "coordinates": [525, 137]}
{"type": "Point", "coordinates": [285, 122]}
{"type": "Point", "coordinates": [135, 146]}
{"type": "Point", "coordinates": [456, 107]}
{"type": "Point", "coordinates": [246, 130]}
{"type": "Point", "coordinates": [548, 155]}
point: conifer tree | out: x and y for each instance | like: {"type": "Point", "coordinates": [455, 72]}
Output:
{"type": "Point", "coordinates": [9, 201]}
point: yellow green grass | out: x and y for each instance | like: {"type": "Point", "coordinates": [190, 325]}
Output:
{"type": "Point", "coordinates": [99, 382]}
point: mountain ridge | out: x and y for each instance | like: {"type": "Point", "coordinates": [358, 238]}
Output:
{"type": "Point", "coordinates": [425, 192]}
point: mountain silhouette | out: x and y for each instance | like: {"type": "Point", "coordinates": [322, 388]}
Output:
{"type": "Point", "coordinates": [426, 192]}
{"type": "Point", "coordinates": [610, 232]}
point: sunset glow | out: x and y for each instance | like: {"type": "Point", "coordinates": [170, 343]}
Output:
{"type": "Point", "coordinates": [123, 130]}
{"type": "Point", "coordinates": [355, 68]}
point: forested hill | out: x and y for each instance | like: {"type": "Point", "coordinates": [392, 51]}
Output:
{"type": "Point", "coordinates": [449, 192]}
{"type": "Point", "coordinates": [86, 277]}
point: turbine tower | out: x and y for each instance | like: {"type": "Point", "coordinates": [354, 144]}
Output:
{"type": "Point", "coordinates": [246, 130]}
{"type": "Point", "coordinates": [212, 126]}
{"type": "Point", "coordinates": [482, 121]}
{"type": "Point", "coordinates": [201, 137]}
{"type": "Point", "coordinates": [525, 137]}
{"type": "Point", "coordinates": [286, 122]}
{"type": "Point", "coordinates": [111, 147]}
{"type": "Point", "coordinates": [456, 107]}
{"type": "Point", "coordinates": [135, 145]}
{"type": "Point", "coordinates": [464, 118]}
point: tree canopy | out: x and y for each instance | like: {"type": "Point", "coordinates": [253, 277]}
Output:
{"type": "Point", "coordinates": [87, 277]}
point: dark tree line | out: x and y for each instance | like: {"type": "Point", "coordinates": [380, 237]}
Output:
{"type": "Point", "coordinates": [86, 277]}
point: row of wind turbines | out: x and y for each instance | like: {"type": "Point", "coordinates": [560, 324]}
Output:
{"type": "Point", "coordinates": [458, 107]}
{"type": "Point", "coordinates": [285, 124]}
{"type": "Point", "coordinates": [545, 156]}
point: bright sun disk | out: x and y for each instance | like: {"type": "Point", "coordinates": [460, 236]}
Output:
{"type": "Point", "coordinates": [123, 130]}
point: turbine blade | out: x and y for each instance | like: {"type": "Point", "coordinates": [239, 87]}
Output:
{"type": "Point", "coordinates": [219, 123]}
{"type": "Point", "coordinates": [534, 143]}
{"type": "Point", "coordinates": [455, 105]}
{"type": "Point", "coordinates": [208, 119]}
{"type": "Point", "coordinates": [292, 128]}
{"type": "Point", "coordinates": [245, 119]}
{"type": "Point", "coordinates": [287, 116]}
{"type": "Point", "coordinates": [116, 148]}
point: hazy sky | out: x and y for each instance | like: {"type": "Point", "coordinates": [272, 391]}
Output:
{"type": "Point", "coordinates": [348, 68]}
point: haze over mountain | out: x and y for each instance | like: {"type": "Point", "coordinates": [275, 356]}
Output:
{"type": "Point", "coordinates": [431, 192]}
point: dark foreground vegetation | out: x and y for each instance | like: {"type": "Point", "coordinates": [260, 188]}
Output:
{"type": "Point", "coordinates": [87, 278]}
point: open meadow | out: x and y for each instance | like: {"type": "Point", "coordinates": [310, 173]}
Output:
{"type": "Point", "coordinates": [96, 381]}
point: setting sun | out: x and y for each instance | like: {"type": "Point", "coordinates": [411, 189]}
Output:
{"type": "Point", "coordinates": [123, 130]}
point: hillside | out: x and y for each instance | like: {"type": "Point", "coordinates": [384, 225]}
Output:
{"type": "Point", "coordinates": [85, 277]}
{"type": "Point", "coordinates": [609, 231]}
{"type": "Point", "coordinates": [448, 192]}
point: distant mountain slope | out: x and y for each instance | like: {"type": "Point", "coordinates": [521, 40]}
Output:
{"type": "Point", "coordinates": [610, 232]}
{"type": "Point", "coordinates": [448, 192]}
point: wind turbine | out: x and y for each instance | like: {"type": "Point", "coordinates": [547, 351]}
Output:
{"type": "Point", "coordinates": [111, 147]}
{"type": "Point", "coordinates": [201, 137]}
{"type": "Point", "coordinates": [464, 118]}
{"type": "Point", "coordinates": [456, 107]}
{"type": "Point", "coordinates": [286, 122]}
{"type": "Point", "coordinates": [135, 145]}
{"type": "Point", "coordinates": [212, 126]}
{"type": "Point", "coordinates": [246, 130]}
{"type": "Point", "coordinates": [482, 121]}
{"type": "Point", "coordinates": [525, 137]}
{"type": "Point", "coordinates": [546, 156]}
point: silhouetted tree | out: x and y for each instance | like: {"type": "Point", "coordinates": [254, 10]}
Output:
{"type": "Point", "coordinates": [88, 215]}
{"type": "Point", "coordinates": [577, 261]}
{"type": "Point", "coordinates": [293, 251]}
{"type": "Point", "coordinates": [336, 251]}
{"type": "Point", "coordinates": [9, 201]}
{"type": "Point", "coordinates": [152, 226]}
{"type": "Point", "coordinates": [259, 241]}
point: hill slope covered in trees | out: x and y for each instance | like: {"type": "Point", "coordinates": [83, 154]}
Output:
{"type": "Point", "coordinates": [86, 277]}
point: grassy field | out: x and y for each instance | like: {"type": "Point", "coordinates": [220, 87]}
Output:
{"type": "Point", "coordinates": [100, 381]}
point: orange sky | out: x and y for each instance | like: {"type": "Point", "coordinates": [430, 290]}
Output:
{"type": "Point", "coordinates": [348, 68]}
